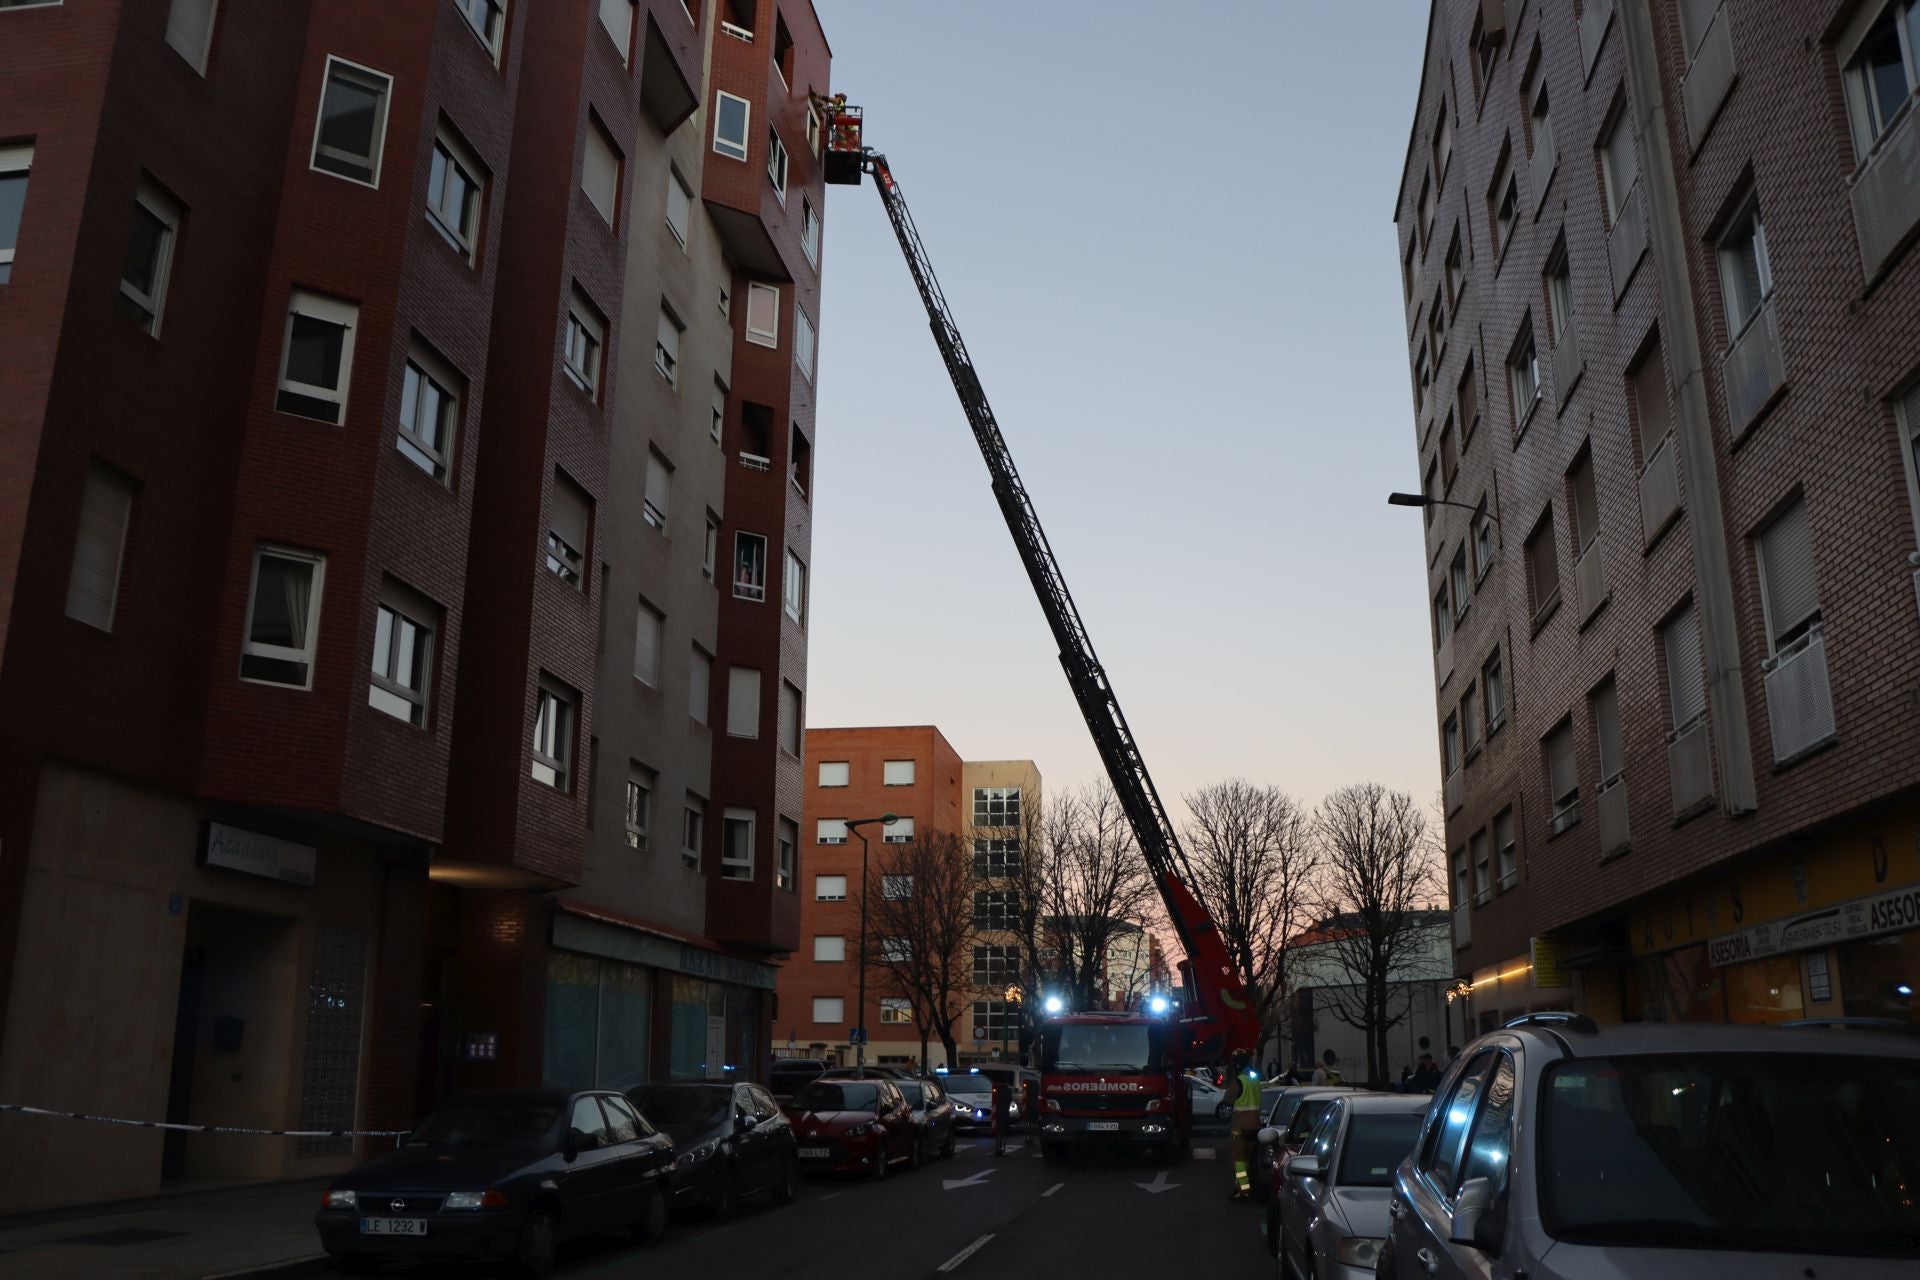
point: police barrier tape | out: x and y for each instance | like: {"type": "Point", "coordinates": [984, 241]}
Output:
{"type": "Point", "coordinates": [25, 1110]}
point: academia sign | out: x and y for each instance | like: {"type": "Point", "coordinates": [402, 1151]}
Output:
{"type": "Point", "coordinates": [1889, 912]}
{"type": "Point", "coordinates": [258, 855]}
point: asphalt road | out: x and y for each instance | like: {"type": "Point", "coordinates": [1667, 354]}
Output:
{"type": "Point", "coordinates": [972, 1216]}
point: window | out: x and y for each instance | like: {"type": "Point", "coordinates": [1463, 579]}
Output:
{"type": "Point", "coordinates": [896, 1011]}
{"type": "Point", "coordinates": [1456, 270]}
{"type": "Point", "coordinates": [799, 459]}
{"type": "Point", "coordinates": [1493, 683]}
{"type": "Point", "coordinates": [803, 341]}
{"type": "Point", "coordinates": [699, 685]}
{"type": "Point", "coordinates": [454, 190]}
{"type": "Point", "coordinates": [829, 948]}
{"type": "Point", "coordinates": [616, 16]}
{"type": "Point", "coordinates": [679, 206]}
{"type": "Point", "coordinates": [143, 279]}
{"type": "Point", "coordinates": [785, 838]}
{"type": "Point", "coordinates": [711, 550]}
{"type": "Point", "coordinates": [1881, 74]}
{"type": "Point", "coordinates": [648, 626]}
{"type": "Point", "coordinates": [830, 831]}
{"type": "Point", "coordinates": [1423, 215]}
{"type": "Point", "coordinates": [1541, 118]}
{"type": "Point", "coordinates": [830, 888]}
{"type": "Point", "coordinates": [736, 844]}
{"type": "Point", "coordinates": [996, 909]}
{"type": "Point", "coordinates": [1449, 457]}
{"type": "Point", "coordinates": [1543, 568]}
{"type": "Point", "coordinates": [659, 494]}
{"type": "Point", "coordinates": [1450, 744]}
{"type": "Point", "coordinates": [1482, 862]}
{"type": "Point", "coordinates": [402, 655]}
{"type": "Point", "coordinates": [1603, 704]}
{"type": "Point", "coordinates": [639, 809]}
{"type": "Point", "coordinates": [586, 334]}
{"type": "Point", "coordinates": [1470, 721]}
{"type": "Point", "coordinates": [318, 356]}
{"type": "Point", "coordinates": [1504, 198]}
{"type": "Point", "coordinates": [553, 705]}
{"type": "Point", "coordinates": [996, 806]}
{"type": "Point", "coordinates": [1523, 375]}
{"type": "Point", "coordinates": [1484, 46]}
{"type": "Point", "coordinates": [1442, 143]}
{"type": "Point", "coordinates": [1619, 165]}
{"type": "Point", "coordinates": [897, 773]}
{"type": "Point", "coordinates": [693, 822]}
{"type": "Point", "coordinates": [429, 407]}
{"type": "Point", "coordinates": [567, 530]}
{"type": "Point", "coordinates": [896, 888]}
{"type": "Point", "coordinates": [1488, 1148]}
{"type": "Point", "coordinates": [901, 832]}
{"type": "Point", "coordinates": [347, 136]}
{"type": "Point", "coordinates": [730, 115]}
{"type": "Point", "coordinates": [1422, 376]}
{"type": "Point", "coordinates": [750, 566]}
{"type": "Point", "coordinates": [1586, 509]}
{"type": "Point", "coordinates": [795, 588]}
{"type": "Point", "coordinates": [725, 300]}
{"type": "Point", "coordinates": [834, 773]}
{"type": "Point", "coordinates": [995, 966]}
{"type": "Point", "coordinates": [1559, 280]}
{"type": "Point", "coordinates": [1432, 489]}
{"type": "Point", "coordinates": [1482, 541]}
{"type": "Point", "coordinates": [1746, 274]}
{"type": "Point", "coordinates": [829, 1010]}
{"type": "Point", "coordinates": [15, 162]}
{"type": "Point", "coordinates": [1407, 269]}
{"type": "Point", "coordinates": [790, 718]}
{"type": "Point", "coordinates": [1563, 776]}
{"type": "Point", "coordinates": [718, 423]}
{"type": "Point", "coordinates": [1686, 683]}
{"type": "Point", "coordinates": [777, 164]}
{"type": "Point", "coordinates": [743, 702]}
{"type": "Point", "coordinates": [486, 19]}
{"type": "Point", "coordinates": [1437, 321]}
{"type": "Point", "coordinates": [813, 130]}
{"type": "Point", "coordinates": [763, 315]}
{"type": "Point", "coordinates": [1647, 385]}
{"type": "Point", "coordinates": [809, 225]}
{"type": "Point", "coordinates": [590, 1124]}
{"type": "Point", "coordinates": [896, 950]}
{"type": "Point", "coordinates": [190, 31]}
{"type": "Point", "coordinates": [600, 169]}
{"type": "Point", "coordinates": [1503, 848]}
{"type": "Point", "coordinates": [93, 585]}
{"type": "Point", "coordinates": [996, 858]}
{"type": "Point", "coordinates": [1788, 592]}
{"type": "Point", "coordinates": [1462, 878]}
{"type": "Point", "coordinates": [1442, 616]}
{"type": "Point", "coordinates": [666, 347]}
{"type": "Point", "coordinates": [999, 1019]}
{"type": "Point", "coordinates": [1457, 580]}
{"type": "Point", "coordinates": [782, 51]}
{"type": "Point", "coordinates": [283, 617]}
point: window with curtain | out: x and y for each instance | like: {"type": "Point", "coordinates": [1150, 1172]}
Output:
{"type": "Point", "coordinates": [282, 617]}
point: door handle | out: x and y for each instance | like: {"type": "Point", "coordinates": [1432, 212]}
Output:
{"type": "Point", "coordinates": [1397, 1208]}
{"type": "Point", "coordinates": [1429, 1260]}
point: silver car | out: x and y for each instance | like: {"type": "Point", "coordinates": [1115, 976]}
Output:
{"type": "Point", "coordinates": [1331, 1218]}
{"type": "Point", "coordinates": [1568, 1151]}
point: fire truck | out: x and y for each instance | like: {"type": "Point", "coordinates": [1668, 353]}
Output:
{"type": "Point", "coordinates": [1106, 1077]}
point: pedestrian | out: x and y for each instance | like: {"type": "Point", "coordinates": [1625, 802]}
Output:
{"type": "Point", "coordinates": [1426, 1074]}
{"type": "Point", "coordinates": [1246, 1121]}
{"type": "Point", "coordinates": [1030, 1099]}
{"type": "Point", "coordinates": [1426, 1046]}
{"type": "Point", "coordinates": [1002, 1105]}
{"type": "Point", "coordinates": [1326, 1072]}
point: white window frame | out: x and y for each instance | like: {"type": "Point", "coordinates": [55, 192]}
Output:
{"type": "Point", "coordinates": [786, 852]}
{"type": "Point", "coordinates": [726, 146]}
{"type": "Point", "coordinates": [829, 948]}
{"type": "Point", "coordinates": [1497, 665]}
{"type": "Point", "coordinates": [777, 163]}
{"type": "Point", "coordinates": [14, 160]}
{"type": "Point", "coordinates": [1522, 372]}
{"type": "Point", "coordinates": [455, 157]}
{"type": "Point", "coordinates": [428, 370]}
{"type": "Point", "coordinates": [760, 335]}
{"type": "Point", "coordinates": [896, 1011]}
{"type": "Point", "coordinates": [107, 493]}
{"type": "Point", "coordinates": [824, 882]}
{"type": "Point", "coordinates": [572, 568]}
{"type": "Point", "coordinates": [166, 211]}
{"type": "Point", "coordinates": [682, 229]}
{"type": "Point", "coordinates": [666, 345]}
{"type": "Point", "coordinates": [717, 427]}
{"type": "Point", "coordinates": [744, 589]}
{"type": "Point", "coordinates": [196, 58]}
{"type": "Point", "coordinates": [897, 773]}
{"type": "Point", "coordinates": [309, 653]}
{"type": "Point", "coordinates": [1560, 305]}
{"type": "Point", "coordinates": [365, 74]}
{"type": "Point", "coordinates": [809, 231]}
{"type": "Point", "coordinates": [1731, 270]}
{"type": "Point", "coordinates": [641, 782]}
{"type": "Point", "coordinates": [630, 14]}
{"type": "Point", "coordinates": [803, 341]}
{"type": "Point", "coordinates": [1868, 124]}
{"type": "Point", "coordinates": [470, 9]}
{"type": "Point", "coordinates": [710, 555]}
{"type": "Point", "coordinates": [585, 344]}
{"type": "Point", "coordinates": [794, 588]}
{"type": "Point", "coordinates": [386, 681]}
{"type": "Point", "coordinates": [334, 311]}
{"type": "Point", "coordinates": [558, 762]}
{"type": "Point", "coordinates": [1617, 187]}
{"type": "Point", "coordinates": [656, 501]}
{"type": "Point", "coordinates": [731, 867]}
{"type": "Point", "coordinates": [693, 825]}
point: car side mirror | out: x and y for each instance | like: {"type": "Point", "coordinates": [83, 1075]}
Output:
{"type": "Point", "coordinates": [1267, 1137]}
{"type": "Point", "coordinates": [1304, 1167]}
{"type": "Point", "coordinates": [1473, 1219]}
{"type": "Point", "coordinates": [578, 1140]}
{"type": "Point", "coordinates": [749, 1123]}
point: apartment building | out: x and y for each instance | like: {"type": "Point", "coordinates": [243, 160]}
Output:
{"type": "Point", "coordinates": [1660, 288]}
{"type": "Point", "coordinates": [281, 850]}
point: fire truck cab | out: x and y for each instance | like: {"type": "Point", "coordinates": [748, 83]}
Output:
{"type": "Point", "coordinates": [1112, 1080]}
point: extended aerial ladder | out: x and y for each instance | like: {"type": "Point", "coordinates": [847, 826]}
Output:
{"type": "Point", "coordinates": [1219, 1019]}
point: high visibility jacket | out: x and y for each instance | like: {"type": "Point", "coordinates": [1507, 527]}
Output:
{"type": "Point", "coordinates": [1249, 1096]}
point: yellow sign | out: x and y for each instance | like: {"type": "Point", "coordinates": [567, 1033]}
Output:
{"type": "Point", "coordinates": [1550, 964]}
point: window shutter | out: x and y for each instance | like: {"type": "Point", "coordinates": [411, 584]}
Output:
{"type": "Point", "coordinates": [679, 206]}
{"type": "Point", "coordinates": [189, 25]}
{"type": "Point", "coordinates": [659, 482]}
{"type": "Point", "coordinates": [1786, 562]}
{"type": "Point", "coordinates": [617, 17]}
{"type": "Point", "coordinates": [646, 644]}
{"type": "Point", "coordinates": [901, 831]}
{"type": "Point", "coordinates": [1606, 724]}
{"type": "Point", "coordinates": [699, 680]}
{"type": "Point", "coordinates": [1686, 683]}
{"type": "Point", "coordinates": [1561, 775]}
{"type": "Point", "coordinates": [570, 514]}
{"type": "Point", "coordinates": [601, 171]}
{"type": "Point", "coordinates": [1586, 509]}
{"type": "Point", "coordinates": [743, 702]}
{"type": "Point", "coordinates": [829, 947]}
{"type": "Point", "coordinates": [104, 506]}
{"type": "Point", "coordinates": [789, 718]}
{"type": "Point", "coordinates": [829, 887]}
{"type": "Point", "coordinates": [897, 773]}
{"type": "Point", "coordinates": [831, 831]}
{"type": "Point", "coordinates": [833, 773]}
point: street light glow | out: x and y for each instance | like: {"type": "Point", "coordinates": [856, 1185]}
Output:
{"type": "Point", "coordinates": [1158, 1004]}
{"type": "Point", "coordinates": [1055, 1004]}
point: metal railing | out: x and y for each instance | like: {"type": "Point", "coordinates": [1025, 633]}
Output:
{"type": "Point", "coordinates": [1689, 765]}
{"type": "Point", "coordinates": [1709, 77]}
{"type": "Point", "coordinates": [1799, 696]}
{"type": "Point", "coordinates": [1754, 368]}
{"type": "Point", "coordinates": [755, 461]}
{"type": "Point", "coordinates": [737, 32]}
{"type": "Point", "coordinates": [1659, 490]}
{"type": "Point", "coordinates": [1612, 803]}
{"type": "Point", "coordinates": [1886, 192]}
{"type": "Point", "coordinates": [1627, 242]}
{"type": "Point", "coordinates": [1593, 31]}
{"type": "Point", "coordinates": [1566, 367]}
{"type": "Point", "coordinates": [1590, 577]}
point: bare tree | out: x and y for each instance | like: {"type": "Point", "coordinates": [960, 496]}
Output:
{"type": "Point", "coordinates": [1088, 886]}
{"type": "Point", "coordinates": [920, 934]}
{"type": "Point", "coordinates": [1253, 866]}
{"type": "Point", "coordinates": [1381, 878]}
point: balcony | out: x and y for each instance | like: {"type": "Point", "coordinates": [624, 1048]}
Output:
{"type": "Point", "coordinates": [1659, 491]}
{"type": "Point", "coordinates": [1590, 579]}
{"type": "Point", "coordinates": [1456, 792]}
{"type": "Point", "coordinates": [1594, 20]}
{"type": "Point", "coordinates": [1614, 835]}
{"type": "Point", "coordinates": [1886, 193]}
{"type": "Point", "coordinates": [1708, 78]}
{"type": "Point", "coordinates": [1690, 766]}
{"type": "Point", "coordinates": [1799, 697]}
{"type": "Point", "coordinates": [1627, 242]}
{"type": "Point", "coordinates": [1754, 368]}
{"type": "Point", "coordinates": [1567, 366]}
{"type": "Point", "coordinates": [1462, 926]}
{"type": "Point", "coordinates": [755, 461]}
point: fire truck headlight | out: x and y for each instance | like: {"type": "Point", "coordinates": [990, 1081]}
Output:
{"type": "Point", "coordinates": [1055, 1004]}
{"type": "Point", "coordinates": [1158, 1004]}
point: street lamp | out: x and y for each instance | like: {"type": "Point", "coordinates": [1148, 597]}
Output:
{"type": "Point", "coordinates": [860, 1008]}
{"type": "Point", "coordinates": [1007, 1014]}
{"type": "Point", "coordinates": [1422, 500]}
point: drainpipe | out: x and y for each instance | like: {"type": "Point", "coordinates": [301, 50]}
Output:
{"type": "Point", "coordinates": [1693, 432]}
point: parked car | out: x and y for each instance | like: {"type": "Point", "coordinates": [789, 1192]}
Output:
{"type": "Point", "coordinates": [853, 1126]}
{"type": "Point", "coordinates": [502, 1175]}
{"type": "Point", "coordinates": [1025, 1082]}
{"type": "Point", "coordinates": [972, 1102]}
{"type": "Point", "coordinates": [1331, 1220]}
{"type": "Point", "coordinates": [731, 1141]}
{"type": "Point", "coordinates": [1568, 1150]}
{"type": "Point", "coordinates": [933, 1116]}
{"type": "Point", "coordinates": [788, 1074]}
{"type": "Point", "coordinates": [1292, 1118]}
{"type": "Point", "coordinates": [1209, 1100]}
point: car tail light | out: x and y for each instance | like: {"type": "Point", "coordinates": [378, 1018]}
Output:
{"type": "Point", "coordinates": [340, 1200]}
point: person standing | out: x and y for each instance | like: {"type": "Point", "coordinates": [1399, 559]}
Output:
{"type": "Point", "coordinates": [1326, 1072]}
{"type": "Point", "coordinates": [1246, 1121]}
{"type": "Point", "coordinates": [1002, 1106]}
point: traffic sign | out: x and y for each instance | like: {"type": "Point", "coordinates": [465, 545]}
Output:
{"type": "Point", "coordinates": [857, 1036]}
{"type": "Point", "coordinates": [979, 1033]}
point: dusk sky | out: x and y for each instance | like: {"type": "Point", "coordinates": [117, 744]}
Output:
{"type": "Point", "coordinates": [1167, 236]}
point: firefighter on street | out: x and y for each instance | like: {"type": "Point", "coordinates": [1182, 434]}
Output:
{"type": "Point", "coordinates": [1246, 1120]}
{"type": "Point", "coordinates": [1002, 1107]}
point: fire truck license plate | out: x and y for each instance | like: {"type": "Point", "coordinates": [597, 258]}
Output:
{"type": "Point", "coordinates": [1104, 1126]}
{"type": "Point", "coordinates": [393, 1226]}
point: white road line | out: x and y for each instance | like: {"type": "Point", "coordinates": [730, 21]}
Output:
{"type": "Point", "coordinates": [1050, 1190]}
{"type": "Point", "coordinates": [830, 1195]}
{"type": "Point", "coordinates": [953, 1263]}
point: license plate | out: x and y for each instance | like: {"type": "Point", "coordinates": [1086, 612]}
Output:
{"type": "Point", "coordinates": [1104, 1126]}
{"type": "Point", "coordinates": [393, 1226]}
{"type": "Point", "coordinates": [815, 1153]}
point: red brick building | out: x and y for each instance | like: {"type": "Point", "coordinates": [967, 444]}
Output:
{"type": "Point", "coordinates": [1660, 296]}
{"type": "Point", "coordinates": [407, 306]}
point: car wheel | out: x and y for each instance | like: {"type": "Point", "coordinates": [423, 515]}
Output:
{"type": "Point", "coordinates": [653, 1218]}
{"type": "Point", "coordinates": [785, 1190]}
{"type": "Point", "coordinates": [917, 1153]}
{"type": "Point", "coordinates": [1053, 1152]}
{"type": "Point", "coordinates": [879, 1169]}
{"type": "Point", "coordinates": [727, 1203]}
{"type": "Point", "coordinates": [539, 1236]}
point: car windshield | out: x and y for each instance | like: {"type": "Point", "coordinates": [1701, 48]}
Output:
{"type": "Point", "coordinates": [1120, 1046]}
{"type": "Point", "coordinates": [1304, 1120]}
{"type": "Point", "coordinates": [665, 1104]}
{"type": "Point", "coordinates": [491, 1122]}
{"type": "Point", "coordinates": [1283, 1108]}
{"type": "Point", "coordinates": [1760, 1151]}
{"type": "Point", "coordinates": [1375, 1145]}
{"type": "Point", "coordinates": [835, 1095]}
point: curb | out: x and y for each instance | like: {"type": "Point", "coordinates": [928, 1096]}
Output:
{"type": "Point", "coordinates": [311, 1265]}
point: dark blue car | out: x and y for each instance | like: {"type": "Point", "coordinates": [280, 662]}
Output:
{"type": "Point", "coordinates": [730, 1142]}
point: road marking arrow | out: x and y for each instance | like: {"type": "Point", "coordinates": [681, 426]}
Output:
{"type": "Point", "coordinates": [949, 1184]}
{"type": "Point", "coordinates": [1158, 1184]}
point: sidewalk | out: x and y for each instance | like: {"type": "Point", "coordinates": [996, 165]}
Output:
{"type": "Point", "coordinates": [259, 1230]}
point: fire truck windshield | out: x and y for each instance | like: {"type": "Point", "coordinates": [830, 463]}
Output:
{"type": "Point", "coordinates": [1124, 1046]}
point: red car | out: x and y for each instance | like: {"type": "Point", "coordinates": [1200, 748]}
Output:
{"type": "Point", "coordinates": [853, 1126]}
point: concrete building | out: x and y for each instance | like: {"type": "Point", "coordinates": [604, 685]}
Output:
{"type": "Point", "coordinates": [280, 850]}
{"type": "Point", "coordinates": [1328, 1000]}
{"type": "Point", "coordinates": [1660, 289]}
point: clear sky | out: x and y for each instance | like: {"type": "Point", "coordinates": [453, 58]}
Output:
{"type": "Point", "coordinates": [1166, 233]}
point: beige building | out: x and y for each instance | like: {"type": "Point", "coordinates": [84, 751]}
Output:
{"type": "Point", "coordinates": [1002, 799]}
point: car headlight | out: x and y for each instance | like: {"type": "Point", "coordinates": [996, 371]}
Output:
{"type": "Point", "coordinates": [693, 1155]}
{"type": "Point", "coordinates": [1357, 1251]}
{"type": "Point", "coordinates": [1051, 1104]}
{"type": "Point", "coordinates": [341, 1200]}
{"type": "Point", "coordinates": [1154, 1104]}
{"type": "Point", "coordinates": [1013, 1111]}
{"type": "Point", "coordinates": [475, 1200]}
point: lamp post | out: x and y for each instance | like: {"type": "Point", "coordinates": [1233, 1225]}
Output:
{"type": "Point", "coordinates": [860, 1006]}
{"type": "Point", "coordinates": [1422, 500]}
{"type": "Point", "coordinates": [1008, 1013]}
